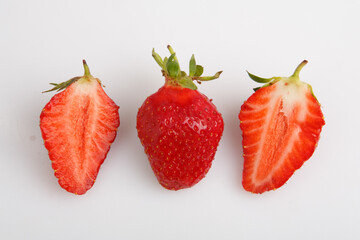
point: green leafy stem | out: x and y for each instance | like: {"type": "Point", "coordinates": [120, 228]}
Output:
{"type": "Point", "coordinates": [171, 69]}
{"type": "Point", "coordinates": [272, 80]}
{"type": "Point", "coordinates": [60, 86]}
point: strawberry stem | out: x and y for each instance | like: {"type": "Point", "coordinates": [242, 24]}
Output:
{"type": "Point", "coordinates": [86, 69]}
{"type": "Point", "coordinates": [298, 69]}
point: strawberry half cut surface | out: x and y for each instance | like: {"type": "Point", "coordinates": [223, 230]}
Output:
{"type": "Point", "coordinates": [78, 126]}
{"type": "Point", "coordinates": [281, 124]}
{"type": "Point", "coordinates": [179, 127]}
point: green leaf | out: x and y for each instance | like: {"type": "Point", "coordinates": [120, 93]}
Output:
{"type": "Point", "coordinates": [199, 71]}
{"type": "Point", "coordinates": [60, 86]}
{"type": "Point", "coordinates": [158, 59]}
{"type": "Point", "coordinates": [182, 74]}
{"type": "Point", "coordinates": [187, 82]}
{"type": "Point", "coordinates": [208, 78]}
{"type": "Point", "coordinates": [171, 58]}
{"type": "Point", "coordinates": [171, 50]}
{"type": "Point", "coordinates": [192, 66]}
{"type": "Point", "coordinates": [165, 61]}
{"type": "Point", "coordinates": [259, 79]}
{"type": "Point", "coordinates": [173, 69]}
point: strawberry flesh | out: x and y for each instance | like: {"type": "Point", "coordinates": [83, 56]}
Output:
{"type": "Point", "coordinates": [281, 126]}
{"type": "Point", "coordinates": [78, 125]}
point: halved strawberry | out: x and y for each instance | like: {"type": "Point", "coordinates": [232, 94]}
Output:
{"type": "Point", "coordinates": [281, 124]}
{"type": "Point", "coordinates": [78, 125]}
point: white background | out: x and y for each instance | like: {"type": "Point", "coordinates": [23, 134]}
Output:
{"type": "Point", "coordinates": [45, 41]}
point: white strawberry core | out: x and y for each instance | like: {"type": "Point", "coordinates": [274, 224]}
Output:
{"type": "Point", "coordinates": [292, 94]}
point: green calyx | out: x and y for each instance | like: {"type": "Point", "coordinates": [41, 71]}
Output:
{"type": "Point", "coordinates": [60, 86]}
{"type": "Point", "coordinates": [174, 76]}
{"type": "Point", "coordinates": [269, 81]}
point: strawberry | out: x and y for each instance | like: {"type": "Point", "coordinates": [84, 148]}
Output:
{"type": "Point", "coordinates": [281, 124]}
{"type": "Point", "coordinates": [78, 126]}
{"type": "Point", "coordinates": [179, 127]}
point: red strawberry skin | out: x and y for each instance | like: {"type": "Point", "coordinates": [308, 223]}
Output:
{"type": "Point", "coordinates": [281, 126]}
{"type": "Point", "coordinates": [180, 130]}
{"type": "Point", "coordinates": [78, 126]}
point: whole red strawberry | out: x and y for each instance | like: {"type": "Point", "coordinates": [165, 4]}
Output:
{"type": "Point", "coordinates": [281, 124]}
{"type": "Point", "coordinates": [179, 127]}
{"type": "Point", "coordinates": [78, 126]}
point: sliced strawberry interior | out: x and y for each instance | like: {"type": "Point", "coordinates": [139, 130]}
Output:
{"type": "Point", "coordinates": [78, 125]}
{"type": "Point", "coordinates": [281, 124]}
